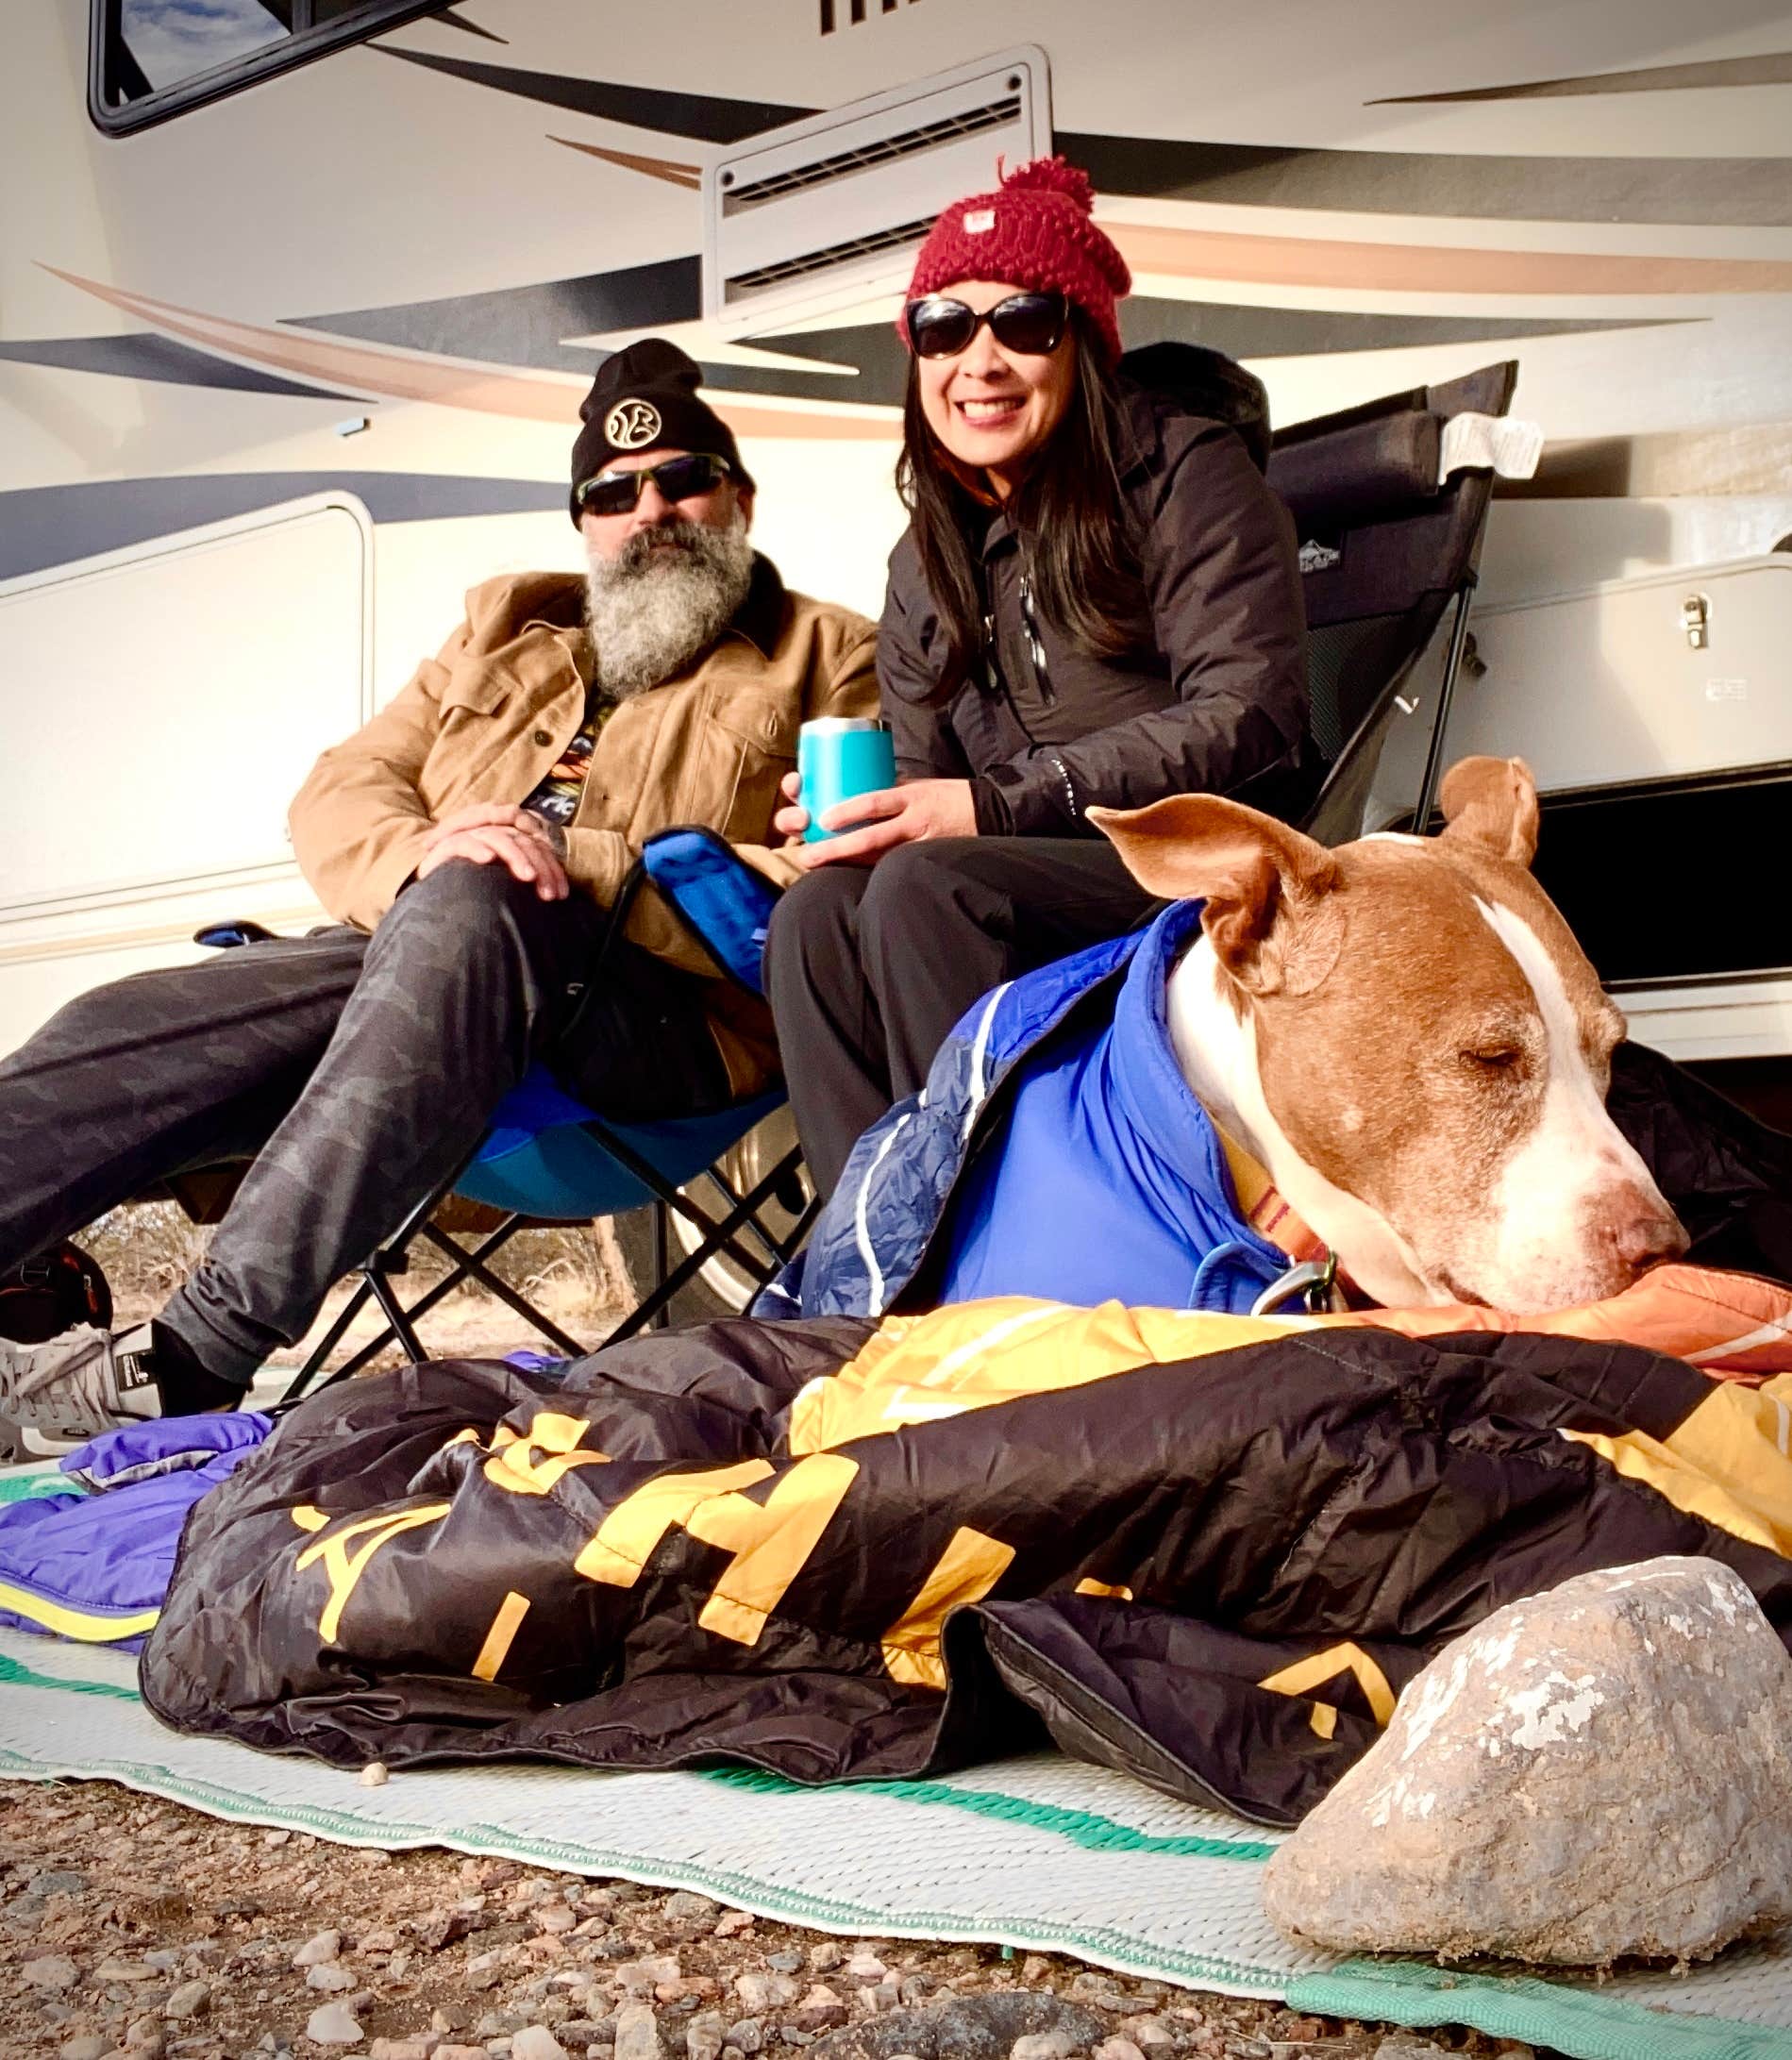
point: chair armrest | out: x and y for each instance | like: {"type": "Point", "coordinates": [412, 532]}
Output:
{"type": "Point", "coordinates": [721, 899]}
{"type": "Point", "coordinates": [239, 931]}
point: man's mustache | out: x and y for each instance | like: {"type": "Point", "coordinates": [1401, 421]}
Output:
{"type": "Point", "coordinates": [638, 552]}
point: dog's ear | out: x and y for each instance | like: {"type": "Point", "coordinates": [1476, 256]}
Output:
{"type": "Point", "coordinates": [1492, 802]}
{"type": "Point", "coordinates": [1265, 884]}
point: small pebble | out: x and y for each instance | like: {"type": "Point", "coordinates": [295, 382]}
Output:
{"type": "Point", "coordinates": [705, 2035]}
{"type": "Point", "coordinates": [52, 1970]}
{"type": "Point", "coordinates": [329, 1978]}
{"type": "Point", "coordinates": [731, 1922]}
{"type": "Point", "coordinates": [374, 1774]}
{"type": "Point", "coordinates": [85, 2046]}
{"type": "Point", "coordinates": [637, 2033]}
{"type": "Point", "coordinates": [1118, 2049]}
{"type": "Point", "coordinates": [319, 1950]}
{"type": "Point", "coordinates": [1056, 2045]}
{"type": "Point", "coordinates": [536, 2042]}
{"type": "Point", "coordinates": [190, 1999]}
{"type": "Point", "coordinates": [334, 2025]}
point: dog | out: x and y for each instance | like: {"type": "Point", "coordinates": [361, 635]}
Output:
{"type": "Point", "coordinates": [1405, 1033]}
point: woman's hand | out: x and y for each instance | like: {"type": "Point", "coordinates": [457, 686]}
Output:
{"type": "Point", "coordinates": [893, 815]}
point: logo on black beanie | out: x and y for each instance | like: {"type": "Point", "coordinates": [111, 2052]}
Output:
{"type": "Point", "coordinates": [632, 424]}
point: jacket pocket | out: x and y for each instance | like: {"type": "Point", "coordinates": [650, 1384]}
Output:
{"type": "Point", "coordinates": [751, 745]}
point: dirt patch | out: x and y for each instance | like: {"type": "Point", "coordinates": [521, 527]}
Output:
{"type": "Point", "coordinates": [130, 1924]}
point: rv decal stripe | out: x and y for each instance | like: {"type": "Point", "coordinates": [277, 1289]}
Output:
{"type": "Point", "coordinates": [1323, 264]}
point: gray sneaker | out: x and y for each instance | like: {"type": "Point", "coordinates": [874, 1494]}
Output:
{"type": "Point", "coordinates": [79, 1383]}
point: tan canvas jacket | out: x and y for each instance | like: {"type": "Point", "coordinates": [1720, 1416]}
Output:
{"type": "Point", "coordinates": [487, 716]}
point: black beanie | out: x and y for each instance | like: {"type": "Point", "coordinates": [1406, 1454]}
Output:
{"type": "Point", "coordinates": [645, 398]}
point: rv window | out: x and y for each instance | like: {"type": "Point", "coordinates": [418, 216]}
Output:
{"type": "Point", "coordinates": [153, 59]}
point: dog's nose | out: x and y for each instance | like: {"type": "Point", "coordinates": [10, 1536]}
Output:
{"type": "Point", "coordinates": [1648, 1233]}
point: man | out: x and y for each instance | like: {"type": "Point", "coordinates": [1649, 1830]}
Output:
{"type": "Point", "coordinates": [470, 841]}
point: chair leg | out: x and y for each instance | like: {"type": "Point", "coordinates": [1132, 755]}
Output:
{"type": "Point", "coordinates": [471, 1266]}
{"type": "Point", "coordinates": [656, 1183]}
{"type": "Point", "coordinates": [716, 1240]}
{"type": "Point", "coordinates": [329, 1342]}
{"type": "Point", "coordinates": [1433, 775]}
{"type": "Point", "coordinates": [661, 1253]}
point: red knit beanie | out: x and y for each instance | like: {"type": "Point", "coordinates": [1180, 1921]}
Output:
{"type": "Point", "coordinates": [1037, 232]}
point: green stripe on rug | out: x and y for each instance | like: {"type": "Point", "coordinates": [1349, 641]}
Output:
{"type": "Point", "coordinates": [1081, 1827]}
{"type": "Point", "coordinates": [15, 1673]}
{"type": "Point", "coordinates": [1585, 2023]}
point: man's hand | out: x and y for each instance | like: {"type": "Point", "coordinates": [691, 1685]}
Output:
{"type": "Point", "coordinates": [893, 815]}
{"type": "Point", "coordinates": [495, 833]}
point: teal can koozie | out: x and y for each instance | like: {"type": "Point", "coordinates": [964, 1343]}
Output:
{"type": "Point", "coordinates": [837, 756]}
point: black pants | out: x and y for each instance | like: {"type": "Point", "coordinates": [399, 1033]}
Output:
{"type": "Point", "coordinates": [356, 1072]}
{"type": "Point", "coordinates": [868, 967]}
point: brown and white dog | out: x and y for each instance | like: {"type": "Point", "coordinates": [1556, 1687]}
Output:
{"type": "Point", "coordinates": [1407, 1036]}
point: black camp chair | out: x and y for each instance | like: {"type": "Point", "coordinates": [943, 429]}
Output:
{"type": "Point", "coordinates": [1386, 553]}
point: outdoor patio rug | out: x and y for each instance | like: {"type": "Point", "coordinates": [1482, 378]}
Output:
{"type": "Point", "coordinates": [1040, 1852]}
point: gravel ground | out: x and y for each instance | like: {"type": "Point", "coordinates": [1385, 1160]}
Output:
{"type": "Point", "coordinates": [132, 1925]}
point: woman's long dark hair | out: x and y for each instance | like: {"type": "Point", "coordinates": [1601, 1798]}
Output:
{"type": "Point", "coordinates": [1067, 510]}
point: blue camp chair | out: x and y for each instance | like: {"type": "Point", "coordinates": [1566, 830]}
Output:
{"type": "Point", "coordinates": [549, 1159]}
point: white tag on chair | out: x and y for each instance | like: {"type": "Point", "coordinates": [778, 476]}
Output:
{"type": "Point", "coordinates": [1507, 444]}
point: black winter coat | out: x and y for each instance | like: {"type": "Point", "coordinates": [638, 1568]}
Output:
{"type": "Point", "coordinates": [1214, 698]}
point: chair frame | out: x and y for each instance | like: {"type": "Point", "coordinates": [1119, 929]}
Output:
{"type": "Point", "coordinates": [1370, 735]}
{"type": "Point", "coordinates": [717, 1234]}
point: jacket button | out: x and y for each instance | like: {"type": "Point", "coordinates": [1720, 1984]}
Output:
{"type": "Point", "coordinates": [543, 736]}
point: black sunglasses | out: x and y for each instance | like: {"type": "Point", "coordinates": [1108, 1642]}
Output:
{"type": "Point", "coordinates": [1031, 324]}
{"type": "Point", "coordinates": [677, 478]}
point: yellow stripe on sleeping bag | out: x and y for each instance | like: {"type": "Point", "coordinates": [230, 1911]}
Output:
{"type": "Point", "coordinates": [974, 1355]}
{"type": "Point", "coordinates": [1727, 1461]}
{"type": "Point", "coordinates": [74, 1624]}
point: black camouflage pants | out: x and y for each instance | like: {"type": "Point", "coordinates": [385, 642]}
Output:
{"type": "Point", "coordinates": [357, 1073]}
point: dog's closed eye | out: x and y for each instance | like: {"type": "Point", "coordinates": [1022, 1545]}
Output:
{"type": "Point", "coordinates": [1493, 1058]}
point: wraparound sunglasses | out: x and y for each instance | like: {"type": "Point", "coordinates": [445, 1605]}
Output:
{"type": "Point", "coordinates": [1032, 325]}
{"type": "Point", "coordinates": [677, 478]}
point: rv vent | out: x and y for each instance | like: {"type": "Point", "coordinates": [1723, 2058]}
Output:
{"type": "Point", "coordinates": [973, 122]}
{"type": "Point", "coordinates": [824, 213]}
{"type": "Point", "coordinates": [901, 238]}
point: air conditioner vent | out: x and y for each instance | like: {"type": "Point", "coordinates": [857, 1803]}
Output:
{"type": "Point", "coordinates": [903, 237]}
{"type": "Point", "coordinates": [824, 213]}
{"type": "Point", "coordinates": [973, 122]}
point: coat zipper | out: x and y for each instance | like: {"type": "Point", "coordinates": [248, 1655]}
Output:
{"type": "Point", "coordinates": [1035, 646]}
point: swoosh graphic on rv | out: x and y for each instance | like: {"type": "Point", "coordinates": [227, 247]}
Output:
{"type": "Point", "coordinates": [486, 389]}
{"type": "Point", "coordinates": [1731, 192]}
{"type": "Point", "coordinates": [1774, 68]}
{"type": "Point", "coordinates": [1349, 266]}
{"type": "Point", "coordinates": [524, 325]}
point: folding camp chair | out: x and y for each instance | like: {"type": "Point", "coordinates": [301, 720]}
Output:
{"type": "Point", "coordinates": [545, 1158]}
{"type": "Point", "coordinates": [1390, 534]}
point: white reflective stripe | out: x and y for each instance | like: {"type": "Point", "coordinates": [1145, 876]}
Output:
{"type": "Point", "coordinates": [1784, 1438]}
{"type": "Point", "coordinates": [1767, 1334]}
{"type": "Point", "coordinates": [980, 1053]}
{"type": "Point", "coordinates": [862, 1230]}
{"type": "Point", "coordinates": [938, 1375]}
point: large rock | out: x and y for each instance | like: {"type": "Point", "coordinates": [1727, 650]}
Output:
{"type": "Point", "coordinates": [1602, 1771]}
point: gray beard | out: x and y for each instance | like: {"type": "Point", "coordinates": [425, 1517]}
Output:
{"type": "Point", "coordinates": [650, 615]}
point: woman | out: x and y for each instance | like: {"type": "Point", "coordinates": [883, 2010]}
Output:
{"type": "Point", "coordinates": [1096, 601]}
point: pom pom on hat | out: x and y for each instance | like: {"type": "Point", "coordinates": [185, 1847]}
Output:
{"type": "Point", "coordinates": [1035, 232]}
